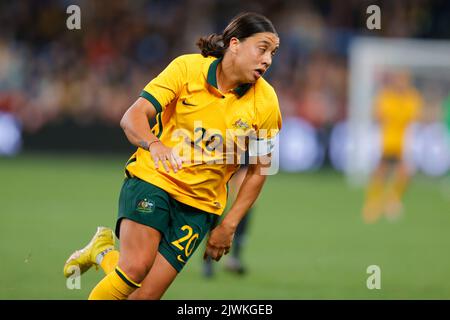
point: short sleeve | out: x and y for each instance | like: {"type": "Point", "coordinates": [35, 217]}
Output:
{"type": "Point", "coordinates": [268, 125]}
{"type": "Point", "coordinates": [163, 89]}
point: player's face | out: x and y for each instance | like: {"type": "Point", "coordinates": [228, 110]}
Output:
{"type": "Point", "coordinates": [254, 55]}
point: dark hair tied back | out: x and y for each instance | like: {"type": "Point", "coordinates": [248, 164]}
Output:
{"type": "Point", "coordinates": [211, 45]}
{"type": "Point", "coordinates": [242, 26]}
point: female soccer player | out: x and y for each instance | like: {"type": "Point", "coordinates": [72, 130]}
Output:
{"type": "Point", "coordinates": [397, 106]}
{"type": "Point", "coordinates": [208, 108]}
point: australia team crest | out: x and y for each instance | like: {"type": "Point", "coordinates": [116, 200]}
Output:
{"type": "Point", "coordinates": [145, 206]}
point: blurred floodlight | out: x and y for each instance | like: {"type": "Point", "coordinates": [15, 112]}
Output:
{"type": "Point", "coordinates": [299, 148]}
{"type": "Point", "coordinates": [10, 135]}
{"type": "Point", "coordinates": [342, 144]}
{"type": "Point", "coordinates": [434, 153]}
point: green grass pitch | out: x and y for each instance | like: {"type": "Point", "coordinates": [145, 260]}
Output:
{"type": "Point", "coordinates": [306, 239]}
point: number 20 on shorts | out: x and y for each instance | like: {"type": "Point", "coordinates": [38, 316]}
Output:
{"type": "Point", "coordinates": [189, 238]}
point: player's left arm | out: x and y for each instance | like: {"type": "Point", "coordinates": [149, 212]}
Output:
{"type": "Point", "coordinates": [261, 145]}
{"type": "Point", "coordinates": [221, 237]}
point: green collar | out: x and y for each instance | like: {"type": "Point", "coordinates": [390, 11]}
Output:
{"type": "Point", "coordinates": [242, 89]}
{"type": "Point", "coordinates": [212, 79]}
{"type": "Point", "coordinates": [212, 71]}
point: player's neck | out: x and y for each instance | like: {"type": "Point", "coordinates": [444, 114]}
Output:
{"type": "Point", "coordinates": [226, 77]}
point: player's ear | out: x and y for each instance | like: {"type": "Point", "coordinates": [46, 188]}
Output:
{"type": "Point", "coordinates": [234, 45]}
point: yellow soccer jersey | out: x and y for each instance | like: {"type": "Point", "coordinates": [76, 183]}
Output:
{"type": "Point", "coordinates": [207, 128]}
{"type": "Point", "coordinates": [396, 111]}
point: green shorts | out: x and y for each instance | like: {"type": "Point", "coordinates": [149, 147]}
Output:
{"type": "Point", "coordinates": [182, 227]}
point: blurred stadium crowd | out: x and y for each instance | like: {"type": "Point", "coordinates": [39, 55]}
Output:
{"type": "Point", "coordinates": [92, 75]}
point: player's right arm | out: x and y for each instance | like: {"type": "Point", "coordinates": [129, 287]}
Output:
{"type": "Point", "coordinates": [156, 95]}
{"type": "Point", "coordinates": [135, 124]}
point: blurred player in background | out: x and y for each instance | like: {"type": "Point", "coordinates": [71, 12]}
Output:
{"type": "Point", "coordinates": [397, 106]}
{"type": "Point", "coordinates": [168, 204]}
{"type": "Point", "coordinates": [234, 263]}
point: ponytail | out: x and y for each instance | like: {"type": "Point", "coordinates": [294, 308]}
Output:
{"type": "Point", "coordinates": [212, 45]}
{"type": "Point", "coordinates": [242, 26]}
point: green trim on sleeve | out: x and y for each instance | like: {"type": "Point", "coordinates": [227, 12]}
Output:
{"type": "Point", "coordinates": [160, 126]}
{"type": "Point", "coordinates": [144, 94]}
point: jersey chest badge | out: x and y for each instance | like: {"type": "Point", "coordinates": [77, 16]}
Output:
{"type": "Point", "coordinates": [241, 124]}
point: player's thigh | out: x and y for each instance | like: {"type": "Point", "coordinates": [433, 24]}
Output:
{"type": "Point", "coordinates": [143, 216]}
{"type": "Point", "coordinates": [155, 284]}
{"type": "Point", "coordinates": [138, 248]}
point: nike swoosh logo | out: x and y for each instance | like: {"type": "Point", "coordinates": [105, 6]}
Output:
{"type": "Point", "coordinates": [180, 259]}
{"type": "Point", "coordinates": [188, 104]}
